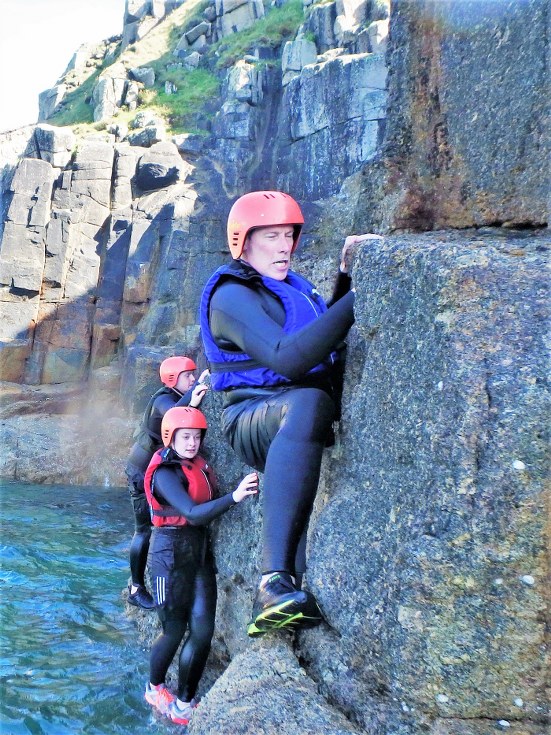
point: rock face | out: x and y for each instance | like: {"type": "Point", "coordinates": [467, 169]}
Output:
{"type": "Point", "coordinates": [428, 549]}
{"type": "Point", "coordinates": [455, 156]}
{"type": "Point", "coordinates": [329, 103]}
{"type": "Point", "coordinates": [140, 16]}
{"type": "Point", "coordinates": [447, 509]}
{"type": "Point", "coordinates": [258, 686]}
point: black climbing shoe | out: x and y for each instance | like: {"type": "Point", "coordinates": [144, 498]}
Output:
{"type": "Point", "coordinates": [140, 598]}
{"type": "Point", "coordinates": [279, 605]}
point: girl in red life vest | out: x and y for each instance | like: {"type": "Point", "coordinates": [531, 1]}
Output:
{"type": "Point", "coordinates": [179, 389]}
{"type": "Point", "coordinates": [180, 490]}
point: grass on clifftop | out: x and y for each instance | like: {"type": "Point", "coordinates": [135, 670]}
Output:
{"type": "Point", "coordinates": [195, 88]}
{"type": "Point", "coordinates": [277, 25]}
{"type": "Point", "coordinates": [181, 109]}
{"type": "Point", "coordinates": [75, 108]}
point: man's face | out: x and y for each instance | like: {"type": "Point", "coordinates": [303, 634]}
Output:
{"type": "Point", "coordinates": [268, 250]}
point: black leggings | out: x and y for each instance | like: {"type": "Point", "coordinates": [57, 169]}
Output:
{"type": "Point", "coordinates": [283, 435]}
{"type": "Point", "coordinates": [184, 586]}
{"type": "Point", "coordinates": [139, 546]}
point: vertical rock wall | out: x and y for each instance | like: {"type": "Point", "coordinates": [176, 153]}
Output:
{"type": "Point", "coordinates": [455, 155]}
{"type": "Point", "coordinates": [428, 549]}
{"type": "Point", "coordinates": [444, 617]}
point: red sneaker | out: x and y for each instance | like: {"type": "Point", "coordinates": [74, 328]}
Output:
{"type": "Point", "coordinates": [177, 715]}
{"type": "Point", "coordinates": [158, 697]}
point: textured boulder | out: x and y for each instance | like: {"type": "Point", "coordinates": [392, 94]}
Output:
{"type": "Point", "coordinates": [148, 136]}
{"type": "Point", "coordinates": [237, 15]}
{"type": "Point", "coordinates": [296, 55]}
{"type": "Point", "coordinates": [55, 145]}
{"type": "Point", "coordinates": [328, 104]}
{"type": "Point", "coordinates": [160, 166]}
{"type": "Point", "coordinates": [245, 82]}
{"type": "Point", "coordinates": [141, 16]}
{"type": "Point", "coordinates": [321, 22]}
{"type": "Point", "coordinates": [155, 175]}
{"type": "Point", "coordinates": [378, 34]}
{"type": "Point", "coordinates": [455, 154]}
{"type": "Point", "coordinates": [49, 101]}
{"type": "Point", "coordinates": [109, 93]}
{"type": "Point", "coordinates": [143, 74]}
{"type": "Point", "coordinates": [264, 690]}
{"type": "Point", "coordinates": [350, 15]}
{"type": "Point", "coordinates": [201, 29]}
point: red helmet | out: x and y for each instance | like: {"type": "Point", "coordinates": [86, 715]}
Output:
{"type": "Point", "coordinates": [172, 367]}
{"type": "Point", "coordinates": [261, 209]}
{"type": "Point", "coordinates": [181, 417]}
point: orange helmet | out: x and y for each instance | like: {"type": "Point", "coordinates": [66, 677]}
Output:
{"type": "Point", "coordinates": [172, 367]}
{"type": "Point", "coordinates": [261, 209]}
{"type": "Point", "coordinates": [181, 417]}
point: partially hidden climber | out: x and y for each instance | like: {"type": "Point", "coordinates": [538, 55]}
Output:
{"type": "Point", "coordinates": [180, 489]}
{"type": "Point", "coordinates": [179, 389]}
{"type": "Point", "coordinates": [273, 347]}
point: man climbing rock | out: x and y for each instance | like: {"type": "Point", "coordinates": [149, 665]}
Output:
{"type": "Point", "coordinates": [273, 348]}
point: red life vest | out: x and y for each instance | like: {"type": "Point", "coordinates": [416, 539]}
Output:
{"type": "Point", "coordinates": [201, 484]}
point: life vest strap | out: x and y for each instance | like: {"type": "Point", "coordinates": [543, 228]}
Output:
{"type": "Point", "coordinates": [233, 367]}
{"type": "Point", "coordinates": [166, 512]}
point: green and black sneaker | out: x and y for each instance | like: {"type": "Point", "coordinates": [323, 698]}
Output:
{"type": "Point", "coordinates": [279, 605]}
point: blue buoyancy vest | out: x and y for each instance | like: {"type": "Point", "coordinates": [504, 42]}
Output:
{"type": "Point", "coordinates": [302, 304]}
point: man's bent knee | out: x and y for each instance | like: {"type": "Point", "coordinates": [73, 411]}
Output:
{"type": "Point", "coordinates": [309, 414]}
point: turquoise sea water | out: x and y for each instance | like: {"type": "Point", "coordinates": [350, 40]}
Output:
{"type": "Point", "coordinates": [70, 659]}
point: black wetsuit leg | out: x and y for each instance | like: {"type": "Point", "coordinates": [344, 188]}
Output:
{"type": "Point", "coordinates": [195, 651]}
{"type": "Point", "coordinates": [139, 546]}
{"type": "Point", "coordinates": [283, 435]}
{"type": "Point", "coordinates": [164, 649]}
{"type": "Point", "coordinates": [184, 587]}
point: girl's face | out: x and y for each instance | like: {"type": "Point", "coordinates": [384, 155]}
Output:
{"type": "Point", "coordinates": [268, 250]}
{"type": "Point", "coordinates": [185, 381]}
{"type": "Point", "coordinates": [186, 442]}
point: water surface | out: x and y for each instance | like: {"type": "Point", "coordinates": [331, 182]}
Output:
{"type": "Point", "coordinates": [71, 661]}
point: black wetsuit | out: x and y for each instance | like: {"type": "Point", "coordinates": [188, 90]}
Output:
{"type": "Point", "coordinates": [184, 582]}
{"type": "Point", "coordinates": [280, 430]}
{"type": "Point", "coordinates": [146, 444]}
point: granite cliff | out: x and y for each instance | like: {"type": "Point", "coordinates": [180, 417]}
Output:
{"type": "Point", "coordinates": [424, 121]}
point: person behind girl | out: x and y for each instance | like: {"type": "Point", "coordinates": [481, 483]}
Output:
{"type": "Point", "coordinates": [180, 489]}
{"type": "Point", "coordinates": [179, 389]}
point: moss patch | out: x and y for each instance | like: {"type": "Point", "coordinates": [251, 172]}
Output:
{"type": "Point", "coordinates": [195, 88]}
{"type": "Point", "coordinates": [277, 25]}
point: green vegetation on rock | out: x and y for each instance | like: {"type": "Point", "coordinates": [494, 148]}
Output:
{"type": "Point", "coordinates": [180, 109]}
{"type": "Point", "coordinates": [194, 88]}
{"type": "Point", "coordinates": [76, 108]}
{"type": "Point", "coordinates": [277, 25]}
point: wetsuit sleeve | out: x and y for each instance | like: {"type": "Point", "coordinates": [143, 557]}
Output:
{"type": "Point", "coordinates": [170, 487]}
{"type": "Point", "coordinates": [185, 400]}
{"type": "Point", "coordinates": [239, 317]}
